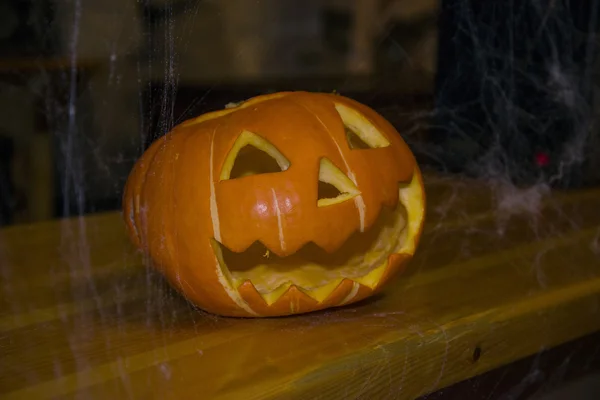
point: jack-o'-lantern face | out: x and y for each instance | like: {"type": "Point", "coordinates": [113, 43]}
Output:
{"type": "Point", "coordinates": [285, 204]}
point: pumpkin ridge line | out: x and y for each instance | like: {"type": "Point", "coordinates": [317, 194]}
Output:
{"type": "Point", "coordinates": [143, 237]}
{"type": "Point", "coordinates": [214, 208]}
{"type": "Point", "coordinates": [279, 221]}
{"type": "Point", "coordinates": [172, 244]}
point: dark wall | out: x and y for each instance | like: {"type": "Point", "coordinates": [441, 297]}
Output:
{"type": "Point", "coordinates": [514, 89]}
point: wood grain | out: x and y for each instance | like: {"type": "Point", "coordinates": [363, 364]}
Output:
{"type": "Point", "coordinates": [80, 317]}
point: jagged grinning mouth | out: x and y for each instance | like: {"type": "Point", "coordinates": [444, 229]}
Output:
{"type": "Point", "coordinates": [362, 258]}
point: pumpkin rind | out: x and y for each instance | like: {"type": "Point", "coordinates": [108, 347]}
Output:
{"type": "Point", "coordinates": [180, 207]}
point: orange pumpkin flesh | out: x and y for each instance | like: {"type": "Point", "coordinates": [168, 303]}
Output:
{"type": "Point", "coordinates": [285, 204]}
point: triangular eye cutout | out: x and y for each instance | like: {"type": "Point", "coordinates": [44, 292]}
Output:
{"type": "Point", "coordinates": [252, 155]}
{"type": "Point", "coordinates": [334, 186]}
{"type": "Point", "coordinates": [361, 134]}
{"type": "Point", "coordinates": [354, 141]}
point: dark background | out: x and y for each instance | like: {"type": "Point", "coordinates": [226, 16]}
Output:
{"type": "Point", "coordinates": [508, 94]}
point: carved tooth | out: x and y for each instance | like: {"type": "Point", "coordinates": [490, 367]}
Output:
{"type": "Point", "coordinates": [318, 294]}
{"type": "Point", "coordinates": [333, 293]}
{"type": "Point", "coordinates": [352, 294]}
{"type": "Point", "coordinates": [339, 293]}
{"type": "Point", "coordinates": [292, 301]}
{"type": "Point", "coordinates": [336, 293]}
{"type": "Point", "coordinates": [362, 292]}
{"type": "Point", "coordinates": [276, 294]}
{"type": "Point", "coordinates": [250, 295]}
{"type": "Point", "coordinates": [323, 292]}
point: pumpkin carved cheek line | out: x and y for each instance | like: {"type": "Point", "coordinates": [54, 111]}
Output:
{"type": "Point", "coordinates": [143, 168]}
{"type": "Point", "coordinates": [223, 275]}
{"type": "Point", "coordinates": [214, 210]}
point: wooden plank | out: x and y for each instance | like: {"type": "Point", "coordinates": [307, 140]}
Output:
{"type": "Point", "coordinates": [81, 316]}
{"type": "Point", "coordinates": [564, 368]}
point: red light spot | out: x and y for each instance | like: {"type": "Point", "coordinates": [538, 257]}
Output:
{"type": "Point", "coordinates": [542, 159]}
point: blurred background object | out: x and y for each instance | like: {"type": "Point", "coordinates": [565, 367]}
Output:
{"type": "Point", "coordinates": [516, 93]}
{"type": "Point", "coordinates": [496, 90]}
{"type": "Point", "coordinates": [87, 85]}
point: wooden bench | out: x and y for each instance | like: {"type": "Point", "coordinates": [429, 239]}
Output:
{"type": "Point", "coordinates": [81, 317]}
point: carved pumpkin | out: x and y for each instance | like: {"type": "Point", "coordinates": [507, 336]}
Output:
{"type": "Point", "coordinates": [283, 204]}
